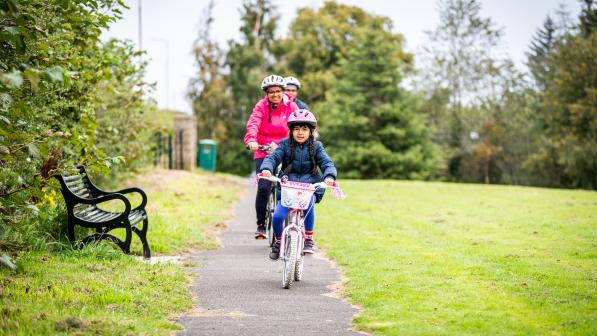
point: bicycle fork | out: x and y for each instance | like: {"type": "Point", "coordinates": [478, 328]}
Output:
{"type": "Point", "coordinates": [295, 217]}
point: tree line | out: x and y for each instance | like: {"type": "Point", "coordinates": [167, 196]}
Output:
{"type": "Point", "coordinates": [66, 99]}
{"type": "Point", "coordinates": [458, 110]}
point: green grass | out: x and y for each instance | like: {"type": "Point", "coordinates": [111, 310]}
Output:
{"type": "Point", "coordinates": [454, 259]}
{"type": "Point", "coordinates": [184, 208]}
{"type": "Point", "coordinates": [99, 290]}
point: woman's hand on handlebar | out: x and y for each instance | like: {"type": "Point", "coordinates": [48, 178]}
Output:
{"type": "Point", "coordinates": [330, 182]}
{"type": "Point", "coordinates": [266, 173]}
{"type": "Point", "coordinates": [253, 146]}
{"type": "Point", "coordinates": [272, 147]}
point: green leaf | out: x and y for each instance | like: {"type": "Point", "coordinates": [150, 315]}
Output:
{"type": "Point", "coordinates": [33, 150]}
{"type": "Point", "coordinates": [55, 74]}
{"type": "Point", "coordinates": [12, 80]}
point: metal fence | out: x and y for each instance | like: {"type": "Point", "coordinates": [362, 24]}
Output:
{"type": "Point", "coordinates": [163, 151]}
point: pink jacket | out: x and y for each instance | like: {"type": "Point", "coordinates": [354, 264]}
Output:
{"type": "Point", "coordinates": [267, 124]}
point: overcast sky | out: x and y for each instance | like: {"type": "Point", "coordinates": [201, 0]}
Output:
{"type": "Point", "coordinates": [170, 27]}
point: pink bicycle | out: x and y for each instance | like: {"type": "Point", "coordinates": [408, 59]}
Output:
{"type": "Point", "coordinates": [296, 197]}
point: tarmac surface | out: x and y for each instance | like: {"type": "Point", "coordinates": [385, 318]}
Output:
{"type": "Point", "coordinates": [239, 289]}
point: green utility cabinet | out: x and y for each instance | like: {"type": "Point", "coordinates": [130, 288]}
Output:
{"type": "Point", "coordinates": [207, 153]}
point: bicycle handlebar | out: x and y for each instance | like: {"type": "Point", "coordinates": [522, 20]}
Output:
{"type": "Point", "coordinates": [264, 148]}
{"type": "Point", "coordinates": [317, 185]}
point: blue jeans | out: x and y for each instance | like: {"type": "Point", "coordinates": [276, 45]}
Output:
{"type": "Point", "coordinates": [281, 212]}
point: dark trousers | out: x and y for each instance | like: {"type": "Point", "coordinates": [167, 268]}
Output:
{"type": "Point", "coordinates": [264, 187]}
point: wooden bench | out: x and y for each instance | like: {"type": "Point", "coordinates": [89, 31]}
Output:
{"type": "Point", "coordinates": [82, 197]}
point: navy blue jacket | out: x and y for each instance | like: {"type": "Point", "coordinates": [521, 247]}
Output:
{"type": "Point", "coordinates": [301, 166]}
{"type": "Point", "coordinates": [301, 104]}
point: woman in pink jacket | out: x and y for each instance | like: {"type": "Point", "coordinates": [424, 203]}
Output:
{"type": "Point", "coordinates": [267, 125]}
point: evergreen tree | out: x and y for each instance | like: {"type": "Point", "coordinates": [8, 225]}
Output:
{"type": "Point", "coordinates": [570, 113]}
{"type": "Point", "coordinates": [370, 125]}
{"type": "Point", "coordinates": [588, 18]}
{"type": "Point", "coordinates": [541, 46]}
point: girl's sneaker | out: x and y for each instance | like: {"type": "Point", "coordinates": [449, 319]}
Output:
{"type": "Point", "coordinates": [309, 247]}
{"type": "Point", "coordinates": [275, 253]}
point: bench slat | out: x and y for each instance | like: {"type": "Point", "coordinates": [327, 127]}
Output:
{"type": "Point", "coordinates": [74, 190]}
{"type": "Point", "coordinates": [104, 216]}
{"type": "Point", "coordinates": [83, 193]}
{"type": "Point", "coordinates": [135, 217]}
{"type": "Point", "coordinates": [68, 178]}
{"type": "Point", "coordinates": [87, 216]}
{"type": "Point", "coordinates": [74, 183]}
{"type": "Point", "coordinates": [82, 211]}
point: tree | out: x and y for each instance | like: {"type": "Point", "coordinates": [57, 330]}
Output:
{"type": "Point", "coordinates": [588, 18]}
{"type": "Point", "coordinates": [461, 57]}
{"type": "Point", "coordinates": [248, 61]}
{"type": "Point", "coordinates": [570, 110]}
{"type": "Point", "coordinates": [541, 46]}
{"type": "Point", "coordinates": [370, 123]}
{"type": "Point", "coordinates": [316, 42]}
{"type": "Point", "coordinates": [210, 97]}
{"type": "Point", "coordinates": [57, 83]}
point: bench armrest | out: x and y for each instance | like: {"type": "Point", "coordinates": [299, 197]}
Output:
{"type": "Point", "coordinates": [137, 190]}
{"type": "Point", "coordinates": [106, 198]}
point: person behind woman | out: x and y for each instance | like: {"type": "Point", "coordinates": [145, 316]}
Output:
{"type": "Point", "coordinates": [300, 155]}
{"type": "Point", "coordinates": [293, 86]}
{"type": "Point", "coordinates": [267, 126]}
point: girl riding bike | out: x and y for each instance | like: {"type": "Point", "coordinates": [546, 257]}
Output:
{"type": "Point", "coordinates": [300, 155]}
{"type": "Point", "coordinates": [267, 126]}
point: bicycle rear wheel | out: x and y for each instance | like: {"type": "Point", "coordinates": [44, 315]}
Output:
{"type": "Point", "coordinates": [269, 217]}
{"type": "Point", "coordinates": [290, 257]}
{"type": "Point", "coordinates": [300, 262]}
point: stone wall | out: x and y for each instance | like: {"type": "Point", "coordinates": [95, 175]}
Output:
{"type": "Point", "coordinates": [184, 144]}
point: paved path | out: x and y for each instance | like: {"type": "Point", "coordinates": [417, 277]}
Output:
{"type": "Point", "coordinates": [239, 290]}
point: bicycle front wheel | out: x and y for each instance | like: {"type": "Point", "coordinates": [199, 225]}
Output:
{"type": "Point", "coordinates": [290, 256]}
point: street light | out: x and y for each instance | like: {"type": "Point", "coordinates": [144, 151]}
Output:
{"type": "Point", "coordinates": [140, 26]}
{"type": "Point", "coordinates": [157, 39]}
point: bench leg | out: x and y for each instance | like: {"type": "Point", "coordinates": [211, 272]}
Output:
{"type": "Point", "coordinates": [128, 237]}
{"type": "Point", "coordinates": [71, 231]}
{"type": "Point", "coordinates": [143, 237]}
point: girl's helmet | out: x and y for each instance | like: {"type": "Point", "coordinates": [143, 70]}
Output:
{"type": "Point", "coordinates": [293, 81]}
{"type": "Point", "coordinates": [302, 117]}
{"type": "Point", "coordinates": [273, 80]}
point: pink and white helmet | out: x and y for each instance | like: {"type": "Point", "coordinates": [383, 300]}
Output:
{"type": "Point", "coordinates": [301, 116]}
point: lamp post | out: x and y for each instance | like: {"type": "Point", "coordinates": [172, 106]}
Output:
{"type": "Point", "coordinates": [140, 26]}
{"type": "Point", "coordinates": [165, 42]}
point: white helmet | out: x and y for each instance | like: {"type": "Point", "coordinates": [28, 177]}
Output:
{"type": "Point", "coordinates": [273, 80]}
{"type": "Point", "coordinates": [293, 81]}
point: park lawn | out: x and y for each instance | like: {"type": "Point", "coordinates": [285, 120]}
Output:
{"type": "Point", "coordinates": [455, 259]}
{"type": "Point", "coordinates": [101, 291]}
